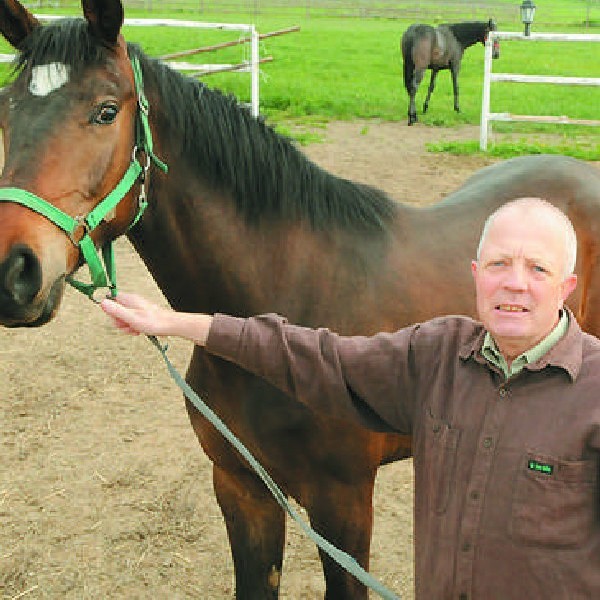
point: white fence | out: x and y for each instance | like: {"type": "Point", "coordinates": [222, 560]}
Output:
{"type": "Point", "coordinates": [487, 117]}
{"type": "Point", "coordinates": [251, 66]}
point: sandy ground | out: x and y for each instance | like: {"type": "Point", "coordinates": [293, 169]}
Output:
{"type": "Point", "coordinates": [104, 490]}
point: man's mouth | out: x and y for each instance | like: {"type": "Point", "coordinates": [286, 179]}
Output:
{"type": "Point", "coordinates": [513, 308]}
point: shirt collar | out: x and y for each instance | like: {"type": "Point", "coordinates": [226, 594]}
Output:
{"type": "Point", "coordinates": [564, 352]}
{"type": "Point", "coordinates": [490, 351]}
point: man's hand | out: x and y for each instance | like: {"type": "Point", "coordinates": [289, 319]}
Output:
{"type": "Point", "coordinates": [134, 314]}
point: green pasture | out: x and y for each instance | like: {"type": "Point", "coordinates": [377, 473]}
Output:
{"type": "Point", "coordinates": [346, 68]}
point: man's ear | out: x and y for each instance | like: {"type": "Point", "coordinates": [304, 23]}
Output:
{"type": "Point", "coordinates": [474, 267]}
{"type": "Point", "coordinates": [568, 285]}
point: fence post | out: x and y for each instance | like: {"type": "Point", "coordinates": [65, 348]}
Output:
{"type": "Point", "coordinates": [484, 128]}
{"type": "Point", "coordinates": [255, 71]}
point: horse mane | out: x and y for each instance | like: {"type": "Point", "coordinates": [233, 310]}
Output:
{"type": "Point", "coordinates": [264, 171]}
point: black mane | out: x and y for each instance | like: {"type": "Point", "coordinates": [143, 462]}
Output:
{"type": "Point", "coordinates": [266, 174]}
{"type": "Point", "coordinates": [234, 152]}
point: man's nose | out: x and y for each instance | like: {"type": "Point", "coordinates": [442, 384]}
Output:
{"type": "Point", "coordinates": [516, 278]}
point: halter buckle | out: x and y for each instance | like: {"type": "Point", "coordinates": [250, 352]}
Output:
{"type": "Point", "coordinates": [134, 157]}
{"type": "Point", "coordinates": [143, 103]}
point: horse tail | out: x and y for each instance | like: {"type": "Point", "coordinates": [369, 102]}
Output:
{"type": "Point", "coordinates": [409, 69]}
{"type": "Point", "coordinates": [407, 43]}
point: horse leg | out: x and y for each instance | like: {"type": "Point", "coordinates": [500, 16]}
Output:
{"type": "Point", "coordinates": [343, 514]}
{"type": "Point", "coordinates": [454, 69]}
{"type": "Point", "coordinates": [254, 521]}
{"type": "Point", "coordinates": [256, 529]}
{"type": "Point", "coordinates": [430, 89]}
{"type": "Point", "coordinates": [414, 86]}
{"type": "Point", "coordinates": [409, 83]}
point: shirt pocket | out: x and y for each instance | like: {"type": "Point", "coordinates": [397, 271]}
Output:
{"type": "Point", "coordinates": [441, 441]}
{"type": "Point", "coordinates": [554, 502]}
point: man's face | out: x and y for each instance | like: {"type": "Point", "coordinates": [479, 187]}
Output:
{"type": "Point", "coordinates": [520, 278]}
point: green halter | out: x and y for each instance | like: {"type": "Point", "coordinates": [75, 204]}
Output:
{"type": "Point", "coordinates": [102, 270]}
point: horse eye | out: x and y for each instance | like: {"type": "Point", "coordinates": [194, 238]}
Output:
{"type": "Point", "coordinates": [106, 114]}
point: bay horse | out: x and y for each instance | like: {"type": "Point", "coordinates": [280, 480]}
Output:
{"type": "Point", "coordinates": [243, 223]}
{"type": "Point", "coordinates": [437, 48]}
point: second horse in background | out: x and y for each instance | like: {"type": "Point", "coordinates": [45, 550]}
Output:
{"type": "Point", "coordinates": [436, 48]}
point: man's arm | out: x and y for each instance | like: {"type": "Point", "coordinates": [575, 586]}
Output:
{"type": "Point", "coordinates": [368, 379]}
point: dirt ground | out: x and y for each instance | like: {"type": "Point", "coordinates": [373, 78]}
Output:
{"type": "Point", "coordinates": [104, 490]}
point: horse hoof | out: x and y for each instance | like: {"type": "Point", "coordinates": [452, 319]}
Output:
{"type": "Point", "coordinates": [412, 120]}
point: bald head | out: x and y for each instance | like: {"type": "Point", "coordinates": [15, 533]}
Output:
{"type": "Point", "coordinates": [537, 211]}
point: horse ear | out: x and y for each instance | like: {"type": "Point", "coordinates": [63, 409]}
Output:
{"type": "Point", "coordinates": [104, 18]}
{"type": "Point", "coordinates": [16, 22]}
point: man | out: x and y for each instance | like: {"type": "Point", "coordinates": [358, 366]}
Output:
{"type": "Point", "coordinates": [504, 414]}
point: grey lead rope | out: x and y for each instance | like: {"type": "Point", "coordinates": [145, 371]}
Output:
{"type": "Point", "coordinates": [341, 557]}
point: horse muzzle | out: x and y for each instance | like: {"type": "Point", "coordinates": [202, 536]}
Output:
{"type": "Point", "coordinates": [22, 301]}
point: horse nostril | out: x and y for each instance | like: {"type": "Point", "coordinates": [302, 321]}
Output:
{"type": "Point", "coordinates": [21, 275]}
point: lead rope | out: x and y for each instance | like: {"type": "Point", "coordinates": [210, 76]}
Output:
{"type": "Point", "coordinates": [144, 142]}
{"type": "Point", "coordinates": [342, 558]}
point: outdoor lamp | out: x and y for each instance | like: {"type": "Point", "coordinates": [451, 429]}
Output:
{"type": "Point", "coordinates": [527, 11]}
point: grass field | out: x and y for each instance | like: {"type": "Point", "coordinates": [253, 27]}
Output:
{"type": "Point", "coordinates": [345, 68]}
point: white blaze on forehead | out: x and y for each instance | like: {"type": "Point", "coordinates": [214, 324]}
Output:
{"type": "Point", "coordinates": [47, 78]}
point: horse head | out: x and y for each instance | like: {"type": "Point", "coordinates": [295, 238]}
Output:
{"type": "Point", "coordinates": [68, 119]}
{"type": "Point", "coordinates": [491, 26]}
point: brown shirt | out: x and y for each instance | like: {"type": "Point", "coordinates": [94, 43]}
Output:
{"type": "Point", "coordinates": [507, 499]}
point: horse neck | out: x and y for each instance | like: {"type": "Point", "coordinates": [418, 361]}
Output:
{"type": "Point", "coordinates": [189, 236]}
{"type": "Point", "coordinates": [198, 250]}
{"type": "Point", "coordinates": [468, 34]}
{"type": "Point", "coordinates": [206, 257]}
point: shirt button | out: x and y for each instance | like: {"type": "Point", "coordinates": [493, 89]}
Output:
{"type": "Point", "coordinates": [466, 546]}
{"type": "Point", "coordinates": [463, 597]}
{"type": "Point", "coordinates": [474, 495]}
{"type": "Point", "coordinates": [487, 442]}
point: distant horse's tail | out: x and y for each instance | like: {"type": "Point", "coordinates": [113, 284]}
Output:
{"type": "Point", "coordinates": [407, 59]}
{"type": "Point", "coordinates": [409, 69]}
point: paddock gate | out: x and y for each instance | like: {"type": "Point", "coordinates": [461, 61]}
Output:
{"type": "Point", "coordinates": [488, 77]}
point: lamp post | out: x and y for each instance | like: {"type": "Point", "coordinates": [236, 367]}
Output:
{"type": "Point", "coordinates": [527, 9]}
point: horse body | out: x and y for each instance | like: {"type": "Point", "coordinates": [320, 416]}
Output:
{"type": "Point", "coordinates": [243, 223]}
{"type": "Point", "coordinates": [437, 48]}
{"type": "Point", "coordinates": [273, 264]}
